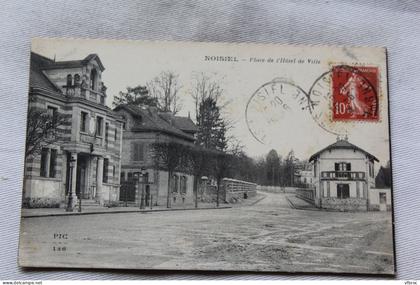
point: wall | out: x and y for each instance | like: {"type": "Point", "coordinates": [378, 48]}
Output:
{"type": "Point", "coordinates": [350, 204]}
{"type": "Point", "coordinates": [374, 203]}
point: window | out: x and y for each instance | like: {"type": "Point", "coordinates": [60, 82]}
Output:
{"type": "Point", "coordinates": [328, 189]}
{"type": "Point", "coordinates": [184, 184]}
{"type": "Point", "coordinates": [99, 123]}
{"type": "Point", "coordinates": [175, 184]}
{"type": "Point", "coordinates": [76, 79]}
{"type": "Point", "coordinates": [343, 191]}
{"type": "Point", "coordinates": [106, 132]}
{"type": "Point", "coordinates": [129, 176]}
{"type": "Point", "coordinates": [93, 75]}
{"type": "Point", "coordinates": [122, 176]}
{"type": "Point", "coordinates": [115, 134]}
{"type": "Point", "coordinates": [69, 80]}
{"type": "Point", "coordinates": [52, 111]}
{"type": "Point", "coordinates": [138, 151]}
{"type": "Point", "coordinates": [44, 162]}
{"type": "Point", "coordinates": [105, 171]}
{"type": "Point", "coordinates": [53, 162]}
{"type": "Point", "coordinates": [83, 121]}
{"type": "Point", "coordinates": [113, 171]}
{"type": "Point", "coordinates": [342, 166]}
{"type": "Point", "coordinates": [358, 189]}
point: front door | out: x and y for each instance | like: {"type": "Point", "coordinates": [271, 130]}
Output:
{"type": "Point", "coordinates": [382, 202]}
{"type": "Point", "coordinates": [128, 191]}
{"type": "Point", "coordinates": [81, 179]}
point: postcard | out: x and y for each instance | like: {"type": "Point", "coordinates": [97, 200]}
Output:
{"type": "Point", "coordinates": [207, 156]}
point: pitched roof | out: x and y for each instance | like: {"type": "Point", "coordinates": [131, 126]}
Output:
{"type": "Point", "coordinates": [342, 144]}
{"type": "Point", "coordinates": [47, 63]}
{"type": "Point", "coordinates": [36, 77]}
{"type": "Point", "coordinates": [148, 119]}
{"type": "Point", "coordinates": [183, 123]}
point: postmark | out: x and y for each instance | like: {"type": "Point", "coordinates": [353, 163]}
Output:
{"type": "Point", "coordinates": [338, 99]}
{"type": "Point", "coordinates": [275, 103]}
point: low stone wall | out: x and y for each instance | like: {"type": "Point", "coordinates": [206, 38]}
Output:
{"type": "Point", "coordinates": [237, 190]}
{"type": "Point", "coordinates": [349, 204]}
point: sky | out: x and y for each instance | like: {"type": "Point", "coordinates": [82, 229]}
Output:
{"type": "Point", "coordinates": [265, 87]}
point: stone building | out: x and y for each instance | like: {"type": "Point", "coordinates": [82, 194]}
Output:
{"type": "Point", "coordinates": [145, 126]}
{"type": "Point", "coordinates": [90, 138]}
{"type": "Point", "coordinates": [344, 178]}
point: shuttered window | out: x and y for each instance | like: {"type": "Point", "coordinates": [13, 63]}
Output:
{"type": "Point", "coordinates": [105, 171]}
{"type": "Point", "coordinates": [53, 162]}
{"type": "Point", "coordinates": [44, 162]}
{"type": "Point", "coordinates": [138, 151]}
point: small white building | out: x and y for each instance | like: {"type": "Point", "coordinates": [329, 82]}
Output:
{"type": "Point", "coordinates": [344, 179]}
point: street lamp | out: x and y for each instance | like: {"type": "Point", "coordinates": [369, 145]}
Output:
{"type": "Point", "coordinates": [140, 181]}
{"type": "Point", "coordinates": [70, 186]}
{"type": "Point", "coordinates": [204, 179]}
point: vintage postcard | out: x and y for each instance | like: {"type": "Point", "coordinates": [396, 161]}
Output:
{"type": "Point", "coordinates": [207, 156]}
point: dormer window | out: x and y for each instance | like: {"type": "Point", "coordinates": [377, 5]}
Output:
{"type": "Point", "coordinates": [76, 79]}
{"type": "Point", "coordinates": [69, 80]}
{"type": "Point", "coordinates": [93, 79]}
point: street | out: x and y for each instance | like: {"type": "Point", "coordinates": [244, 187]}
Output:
{"type": "Point", "coordinates": [267, 236]}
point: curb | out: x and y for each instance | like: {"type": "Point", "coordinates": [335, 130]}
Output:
{"type": "Point", "coordinates": [293, 206]}
{"type": "Point", "coordinates": [255, 202]}
{"type": "Point", "coordinates": [120, 212]}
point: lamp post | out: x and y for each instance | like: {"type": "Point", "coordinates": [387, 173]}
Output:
{"type": "Point", "coordinates": [70, 189]}
{"type": "Point", "coordinates": [140, 182]}
{"type": "Point", "coordinates": [204, 180]}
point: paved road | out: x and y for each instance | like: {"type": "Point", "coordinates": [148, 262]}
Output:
{"type": "Point", "coordinates": [267, 236]}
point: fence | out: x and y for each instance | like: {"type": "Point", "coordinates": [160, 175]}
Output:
{"type": "Point", "coordinates": [307, 194]}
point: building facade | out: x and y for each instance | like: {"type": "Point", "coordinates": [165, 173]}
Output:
{"type": "Point", "coordinates": [344, 177]}
{"type": "Point", "coordinates": [85, 161]}
{"type": "Point", "coordinates": [145, 126]}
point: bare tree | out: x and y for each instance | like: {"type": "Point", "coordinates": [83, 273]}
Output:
{"type": "Point", "coordinates": [43, 129]}
{"type": "Point", "coordinates": [170, 156]}
{"type": "Point", "coordinates": [164, 88]}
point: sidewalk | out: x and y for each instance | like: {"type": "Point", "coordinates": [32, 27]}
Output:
{"type": "Point", "coordinates": [51, 212]}
{"type": "Point", "coordinates": [300, 204]}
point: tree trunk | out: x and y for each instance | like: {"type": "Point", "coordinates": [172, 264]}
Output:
{"type": "Point", "coordinates": [168, 201]}
{"type": "Point", "coordinates": [217, 194]}
{"type": "Point", "coordinates": [196, 190]}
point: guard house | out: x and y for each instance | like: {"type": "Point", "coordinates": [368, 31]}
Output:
{"type": "Point", "coordinates": [85, 161]}
{"type": "Point", "coordinates": [145, 126]}
{"type": "Point", "coordinates": [343, 177]}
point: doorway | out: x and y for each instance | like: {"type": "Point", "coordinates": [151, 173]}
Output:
{"type": "Point", "coordinates": [81, 177]}
{"type": "Point", "coordinates": [382, 202]}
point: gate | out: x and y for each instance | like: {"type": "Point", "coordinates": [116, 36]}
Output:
{"type": "Point", "coordinates": [128, 191]}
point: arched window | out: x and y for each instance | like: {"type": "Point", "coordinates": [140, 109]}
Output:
{"type": "Point", "coordinates": [76, 79]}
{"type": "Point", "coordinates": [69, 80]}
{"type": "Point", "coordinates": [93, 75]}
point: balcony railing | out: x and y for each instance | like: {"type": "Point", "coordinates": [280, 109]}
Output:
{"type": "Point", "coordinates": [343, 175]}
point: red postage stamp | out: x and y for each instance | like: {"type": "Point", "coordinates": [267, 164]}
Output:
{"type": "Point", "coordinates": [355, 93]}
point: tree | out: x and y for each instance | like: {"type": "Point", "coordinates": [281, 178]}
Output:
{"type": "Point", "coordinates": [164, 88]}
{"type": "Point", "coordinates": [211, 126]}
{"type": "Point", "coordinates": [43, 129]}
{"type": "Point", "coordinates": [273, 167]}
{"type": "Point", "coordinates": [136, 96]}
{"type": "Point", "coordinates": [221, 165]}
{"type": "Point", "coordinates": [170, 156]}
{"type": "Point", "coordinates": [199, 164]}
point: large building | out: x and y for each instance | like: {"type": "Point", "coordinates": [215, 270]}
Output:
{"type": "Point", "coordinates": [85, 161]}
{"type": "Point", "coordinates": [344, 179]}
{"type": "Point", "coordinates": [145, 126]}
